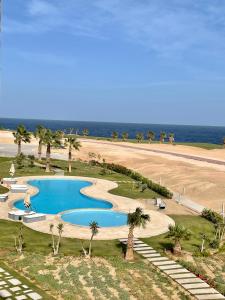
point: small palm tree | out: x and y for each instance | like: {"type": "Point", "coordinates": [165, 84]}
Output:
{"type": "Point", "coordinates": [21, 135]}
{"type": "Point", "coordinates": [94, 231]}
{"type": "Point", "coordinates": [204, 238]}
{"type": "Point", "coordinates": [150, 136]}
{"type": "Point", "coordinates": [135, 219]}
{"type": "Point", "coordinates": [139, 137]}
{"type": "Point", "coordinates": [178, 233]}
{"type": "Point", "coordinates": [56, 245]}
{"type": "Point", "coordinates": [171, 138]}
{"type": "Point", "coordinates": [72, 143]}
{"type": "Point", "coordinates": [162, 137]}
{"type": "Point", "coordinates": [51, 139]}
{"type": "Point", "coordinates": [85, 132]}
{"type": "Point", "coordinates": [125, 136]}
{"type": "Point", "coordinates": [115, 135]}
{"type": "Point", "coordinates": [39, 134]}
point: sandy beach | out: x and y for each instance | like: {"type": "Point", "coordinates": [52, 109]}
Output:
{"type": "Point", "coordinates": [203, 182]}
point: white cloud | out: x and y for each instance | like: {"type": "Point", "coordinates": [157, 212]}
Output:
{"type": "Point", "coordinates": [40, 8]}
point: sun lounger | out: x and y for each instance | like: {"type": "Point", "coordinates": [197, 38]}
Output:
{"type": "Point", "coordinates": [19, 188]}
{"type": "Point", "coordinates": [17, 215]}
{"type": "Point", "coordinates": [9, 181]}
{"type": "Point", "coordinates": [158, 201]}
{"type": "Point", "coordinates": [34, 218]}
{"type": "Point", "coordinates": [3, 197]}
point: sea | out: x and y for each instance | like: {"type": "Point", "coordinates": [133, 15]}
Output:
{"type": "Point", "coordinates": [183, 133]}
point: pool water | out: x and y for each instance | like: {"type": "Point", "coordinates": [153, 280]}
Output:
{"type": "Point", "coordinates": [104, 218]}
{"type": "Point", "coordinates": [57, 195]}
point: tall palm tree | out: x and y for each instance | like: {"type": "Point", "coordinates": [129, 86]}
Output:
{"type": "Point", "coordinates": [115, 135]}
{"type": "Point", "coordinates": [171, 138]}
{"type": "Point", "coordinates": [94, 231]}
{"type": "Point", "coordinates": [135, 219]}
{"type": "Point", "coordinates": [72, 143]}
{"type": "Point", "coordinates": [125, 136]}
{"type": "Point", "coordinates": [178, 233]}
{"type": "Point", "coordinates": [85, 132]}
{"type": "Point", "coordinates": [162, 136]}
{"type": "Point", "coordinates": [51, 139]}
{"type": "Point", "coordinates": [139, 137]}
{"type": "Point", "coordinates": [21, 135]}
{"type": "Point", "coordinates": [39, 134]}
{"type": "Point", "coordinates": [150, 136]}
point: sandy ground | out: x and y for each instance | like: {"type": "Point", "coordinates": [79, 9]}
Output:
{"type": "Point", "coordinates": [203, 182]}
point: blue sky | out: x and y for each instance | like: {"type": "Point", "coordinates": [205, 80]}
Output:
{"type": "Point", "coordinates": [147, 61]}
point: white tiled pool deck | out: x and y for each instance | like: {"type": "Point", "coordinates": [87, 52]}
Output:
{"type": "Point", "coordinates": [100, 190]}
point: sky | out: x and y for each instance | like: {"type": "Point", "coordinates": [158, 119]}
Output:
{"type": "Point", "coordinates": [145, 61]}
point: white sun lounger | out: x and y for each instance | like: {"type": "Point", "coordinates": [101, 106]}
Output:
{"type": "Point", "coordinates": [158, 201]}
{"type": "Point", "coordinates": [3, 197]}
{"type": "Point", "coordinates": [9, 180]}
{"type": "Point", "coordinates": [17, 215]}
{"type": "Point", "coordinates": [19, 188]}
{"type": "Point", "coordinates": [34, 218]}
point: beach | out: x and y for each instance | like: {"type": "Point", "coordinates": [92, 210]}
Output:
{"type": "Point", "coordinates": [201, 181]}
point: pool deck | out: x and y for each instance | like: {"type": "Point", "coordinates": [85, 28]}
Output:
{"type": "Point", "coordinates": [100, 190]}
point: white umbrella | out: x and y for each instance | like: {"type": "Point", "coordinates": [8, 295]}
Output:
{"type": "Point", "coordinates": [26, 201]}
{"type": "Point", "coordinates": [12, 170]}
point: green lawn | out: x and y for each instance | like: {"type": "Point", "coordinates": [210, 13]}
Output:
{"type": "Point", "coordinates": [196, 224]}
{"type": "Point", "coordinates": [3, 189]}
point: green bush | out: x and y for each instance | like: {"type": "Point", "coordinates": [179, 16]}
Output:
{"type": "Point", "coordinates": [212, 216]}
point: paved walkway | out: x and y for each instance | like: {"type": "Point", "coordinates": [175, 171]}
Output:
{"type": "Point", "coordinates": [187, 280]}
{"type": "Point", "coordinates": [187, 202]}
{"type": "Point", "coordinates": [13, 289]}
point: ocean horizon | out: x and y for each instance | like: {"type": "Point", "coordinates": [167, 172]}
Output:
{"type": "Point", "coordinates": [183, 133]}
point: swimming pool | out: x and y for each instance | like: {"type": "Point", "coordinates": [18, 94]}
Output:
{"type": "Point", "coordinates": [104, 218]}
{"type": "Point", "coordinates": [57, 195]}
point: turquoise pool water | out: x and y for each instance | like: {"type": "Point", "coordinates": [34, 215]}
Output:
{"type": "Point", "coordinates": [57, 195]}
{"type": "Point", "coordinates": [104, 218]}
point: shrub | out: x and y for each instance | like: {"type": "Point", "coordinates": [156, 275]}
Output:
{"type": "Point", "coordinates": [212, 216]}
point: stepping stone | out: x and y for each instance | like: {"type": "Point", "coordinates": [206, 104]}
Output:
{"type": "Point", "coordinates": [210, 297]}
{"type": "Point", "coordinates": [185, 274]}
{"type": "Point", "coordinates": [5, 294]}
{"type": "Point", "coordinates": [28, 291]}
{"type": "Point", "coordinates": [2, 283]}
{"type": "Point", "coordinates": [203, 291]}
{"type": "Point", "coordinates": [151, 255]}
{"type": "Point", "coordinates": [164, 263]}
{"type": "Point", "coordinates": [169, 267]}
{"type": "Point", "coordinates": [146, 251]}
{"type": "Point", "coordinates": [15, 281]}
{"type": "Point", "coordinates": [25, 286]}
{"type": "Point", "coordinates": [195, 285]}
{"type": "Point", "coordinates": [189, 280]}
{"type": "Point", "coordinates": [15, 289]}
{"type": "Point", "coordinates": [34, 296]}
{"type": "Point", "coordinates": [157, 259]}
{"type": "Point", "coordinates": [22, 297]}
{"type": "Point", "coordinates": [2, 270]}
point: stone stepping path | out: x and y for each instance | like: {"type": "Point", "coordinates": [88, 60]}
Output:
{"type": "Point", "coordinates": [189, 281]}
{"type": "Point", "coordinates": [13, 289]}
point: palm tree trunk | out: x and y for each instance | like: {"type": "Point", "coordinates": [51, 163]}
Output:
{"type": "Point", "coordinates": [58, 244]}
{"type": "Point", "coordinates": [39, 150]}
{"type": "Point", "coordinates": [89, 251]}
{"type": "Point", "coordinates": [202, 246]}
{"type": "Point", "coordinates": [19, 148]}
{"type": "Point", "coordinates": [130, 243]}
{"type": "Point", "coordinates": [70, 160]}
{"type": "Point", "coordinates": [177, 248]}
{"type": "Point", "coordinates": [48, 157]}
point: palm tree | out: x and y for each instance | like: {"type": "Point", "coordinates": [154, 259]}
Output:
{"type": "Point", "coordinates": [21, 135]}
{"type": "Point", "coordinates": [55, 246]}
{"type": "Point", "coordinates": [171, 138]}
{"type": "Point", "coordinates": [94, 231]}
{"type": "Point", "coordinates": [40, 134]}
{"type": "Point", "coordinates": [135, 219]}
{"type": "Point", "coordinates": [177, 233]}
{"type": "Point", "coordinates": [139, 137]}
{"type": "Point", "coordinates": [85, 132]}
{"type": "Point", "coordinates": [51, 139]}
{"type": "Point", "coordinates": [72, 143]}
{"type": "Point", "coordinates": [162, 136]}
{"type": "Point", "coordinates": [115, 135]}
{"type": "Point", "coordinates": [125, 136]}
{"type": "Point", "coordinates": [150, 136]}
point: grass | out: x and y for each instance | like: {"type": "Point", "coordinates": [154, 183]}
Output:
{"type": "Point", "coordinates": [196, 224]}
{"type": "Point", "coordinates": [3, 189]}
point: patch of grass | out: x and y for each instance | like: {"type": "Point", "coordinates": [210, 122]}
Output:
{"type": "Point", "coordinates": [3, 190]}
{"type": "Point", "coordinates": [196, 224]}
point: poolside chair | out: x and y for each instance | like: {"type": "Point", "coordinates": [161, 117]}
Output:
{"type": "Point", "coordinates": [9, 181]}
{"type": "Point", "coordinates": [17, 215]}
{"type": "Point", "coordinates": [19, 188]}
{"type": "Point", "coordinates": [3, 197]}
{"type": "Point", "coordinates": [158, 201]}
{"type": "Point", "coordinates": [34, 218]}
